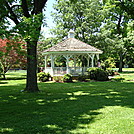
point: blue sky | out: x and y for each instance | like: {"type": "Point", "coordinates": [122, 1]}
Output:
{"type": "Point", "coordinates": [49, 20]}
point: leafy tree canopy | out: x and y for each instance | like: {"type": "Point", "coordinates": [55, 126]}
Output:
{"type": "Point", "coordinates": [83, 17]}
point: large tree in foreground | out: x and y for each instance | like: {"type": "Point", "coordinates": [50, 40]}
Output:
{"type": "Point", "coordinates": [27, 16]}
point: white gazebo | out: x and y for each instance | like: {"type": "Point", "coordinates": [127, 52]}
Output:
{"type": "Point", "coordinates": [76, 56]}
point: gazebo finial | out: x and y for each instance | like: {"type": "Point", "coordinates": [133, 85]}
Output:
{"type": "Point", "coordinates": [71, 33]}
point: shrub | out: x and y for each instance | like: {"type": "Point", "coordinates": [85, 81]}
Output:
{"type": "Point", "coordinates": [42, 76]}
{"type": "Point", "coordinates": [108, 63]}
{"type": "Point", "coordinates": [67, 78]}
{"type": "Point", "coordinates": [110, 72]}
{"type": "Point", "coordinates": [83, 78]}
{"type": "Point", "coordinates": [97, 74]}
{"type": "Point", "coordinates": [58, 78]}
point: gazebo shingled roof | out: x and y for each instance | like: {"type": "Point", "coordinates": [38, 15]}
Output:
{"type": "Point", "coordinates": [72, 44]}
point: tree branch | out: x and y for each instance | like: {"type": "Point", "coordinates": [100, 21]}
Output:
{"type": "Point", "coordinates": [39, 5]}
{"type": "Point", "coordinates": [15, 6]}
{"type": "Point", "coordinates": [13, 15]}
{"type": "Point", "coordinates": [119, 25]}
{"type": "Point", "coordinates": [25, 8]}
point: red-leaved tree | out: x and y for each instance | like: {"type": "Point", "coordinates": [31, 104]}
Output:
{"type": "Point", "coordinates": [11, 53]}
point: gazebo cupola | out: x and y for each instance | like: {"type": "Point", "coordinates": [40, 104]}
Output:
{"type": "Point", "coordinates": [75, 57]}
{"type": "Point", "coordinates": [71, 34]}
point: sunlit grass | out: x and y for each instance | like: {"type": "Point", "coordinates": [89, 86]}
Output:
{"type": "Point", "coordinates": [67, 108]}
{"type": "Point", "coordinates": [128, 69]}
{"type": "Point", "coordinates": [128, 76]}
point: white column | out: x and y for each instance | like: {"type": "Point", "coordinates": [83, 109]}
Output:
{"type": "Point", "coordinates": [52, 65]}
{"type": "Point", "coordinates": [74, 59]}
{"type": "Point", "coordinates": [92, 57]}
{"type": "Point", "coordinates": [97, 55]}
{"type": "Point", "coordinates": [88, 61]}
{"type": "Point", "coordinates": [67, 63]}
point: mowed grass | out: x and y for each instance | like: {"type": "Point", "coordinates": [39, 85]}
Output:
{"type": "Point", "coordinates": [67, 108]}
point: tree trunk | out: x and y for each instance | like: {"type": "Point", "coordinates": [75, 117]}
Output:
{"type": "Point", "coordinates": [31, 83]}
{"type": "Point", "coordinates": [3, 72]}
{"type": "Point", "coordinates": [4, 76]}
{"type": "Point", "coordinates": [120, 53]}
{"type": "Point", "coordinates": [120, 62]}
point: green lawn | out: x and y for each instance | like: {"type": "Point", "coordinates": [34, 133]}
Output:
{"type": "Point", "coordinates": [67, 108]}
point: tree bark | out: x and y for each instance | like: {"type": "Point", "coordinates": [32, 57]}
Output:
{"type": "Point", "coordinates": [4, 76]}
{"type": "Point", "coordinates": [120, 53]}
{"type": "Point", "coordinates": [120, 62]}
{"type": "Point", "coordinates": [31, 83]}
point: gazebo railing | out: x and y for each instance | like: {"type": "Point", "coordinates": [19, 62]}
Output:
{"type": "Point", "coordinates": [60, 71]}
{"type": "Point", "coordinates": [77, 70]}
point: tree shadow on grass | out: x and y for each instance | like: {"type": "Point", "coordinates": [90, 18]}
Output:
{"type": "Point", "coordinates": [60, 107]}
{"type": "Point", "coordinates": [127, 72]}
{"type": "Point", "coordinates": [13, 78]}
{"type": "Point", "coordinates": [3, 82]}
{"type": "Point", "coordinates": [16, 78]}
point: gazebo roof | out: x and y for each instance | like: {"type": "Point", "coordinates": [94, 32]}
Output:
{"type": "Point", "coordinates": [72, 45]}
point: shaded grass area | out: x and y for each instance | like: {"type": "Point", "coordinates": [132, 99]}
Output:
{"type": "Point", "coordinates": [67, 108]}
{"type": "Point", "coordinates": [11, 75]}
